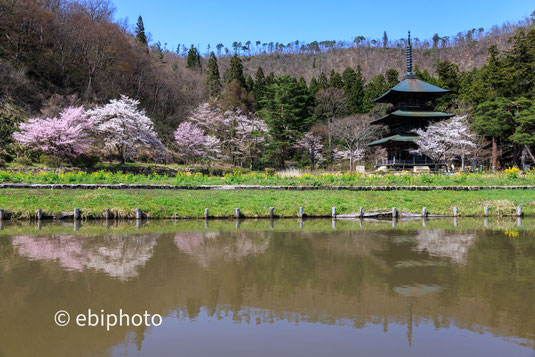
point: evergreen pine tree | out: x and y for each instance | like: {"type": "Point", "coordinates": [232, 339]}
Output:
{"type": "Point", "coordinates": [336, 80]}
{"type": "Point", "coordinates": [259, 86]}
{"type": "Point", "coordinates": [249, 84]}
{"type": "Point", "coordinates": [140, 31]}
{"type": "Point", "coordinates": [313, 86]}
{"type": "Point", "coordinates": [349, 77]}
{"type": "Point", "coordinates": [286, 110]}
{"type": "Point", "coordinates": [392, 77]}
{"type": "Point", "coordinates": [213, 82]}
{"type": "Point", "coordinates": [359, 92]}
{"type": "Point", "coordinates": [235, 71]}
{"type": "Point", "coordinates": [194, 58]}
{"type": "Point", "coordinates": [323, 81]}
{"type": "Point", "coordinates": [270, 78]}
{"type": "Point", "coordinates": [385, 39]}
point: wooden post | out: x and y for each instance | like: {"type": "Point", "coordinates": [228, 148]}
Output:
{"type": "Point", "coordinates": [361, 212]}
{"type": "Point", "coordinates": [394, 212]}
{"type": "Point", "coordinates": [301, 212]}
{"type": "Point", "coordinates": [206, 213]}
{"type": "Point", "coordinates": [107, 214]}
{"type": "Point", "coordinates": [486, 211]}
{"type": "Point", "coordinates": [271, 212]}
{"type": "Point", "coordinates": [519, 211]}
{"type": "Point", "coordinates": [76, 213]}
{"type": "Point", "coordinates": [138, 213]}
{"type": "Point", "coordinates": [455, 211]}
{"type": "Point", "coordinates": [333, 212]}
{"type": "Point", "coordinates": [238, 213]}
{"type": "Point", "coordinates": [424, 212]}
{"type": "Point", "coordinates": [39, 214]}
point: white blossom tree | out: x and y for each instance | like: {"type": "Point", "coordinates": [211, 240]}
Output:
{"type": "Point", "coordinates": [248, 136]}
{"type": "Point", "coordinates": [241, 136]}
{"type": "Point", "coordinates": [312, 145]}
{"type": "Point", "coordinates": [124, 129]}
{"type": "Point", "coordinates": [352, 156]}
{"type": "Point", "coordinates": [446, 140]}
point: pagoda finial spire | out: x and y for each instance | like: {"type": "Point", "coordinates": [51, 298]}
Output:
{"type": "Point", "coordinates": [409, 56]}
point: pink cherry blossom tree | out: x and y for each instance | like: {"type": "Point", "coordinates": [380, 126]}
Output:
{"type": "Point", "coordinates": [192, 143]}
{"type": "Point", "coordinates": [312, 145]}
{"type": "Point", "coordinates": [240, 135]}
{"type": "Point", "coordinates": [123, 129]}
{"type": "Point", "coordinates": [67, 136]}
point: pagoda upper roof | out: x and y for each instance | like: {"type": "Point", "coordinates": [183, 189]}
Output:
{"type": "Point", "coordinates": [410, 85]}
{"type": "Point", "coordinates": [411, 114]}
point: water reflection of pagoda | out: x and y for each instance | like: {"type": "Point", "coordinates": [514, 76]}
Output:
{"type": "Point", "coordinates": [412, 109]}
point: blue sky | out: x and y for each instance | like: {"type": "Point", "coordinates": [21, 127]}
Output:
{"type": "Point", "coordinates": [211, 22]}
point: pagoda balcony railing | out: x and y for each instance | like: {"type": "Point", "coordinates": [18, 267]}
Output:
{"type": "Point", "coordinates": [408, 162]}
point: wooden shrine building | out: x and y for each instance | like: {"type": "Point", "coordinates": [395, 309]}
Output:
{"type": "Point", "coordinates": [412, 109]}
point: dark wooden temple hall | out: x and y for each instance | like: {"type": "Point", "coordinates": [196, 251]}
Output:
{"type": "Point", "coordinates": [412, 109]}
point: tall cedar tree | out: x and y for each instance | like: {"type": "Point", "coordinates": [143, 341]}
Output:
{"type": "Point", "coordinates": [336, 80]}
{"type": "Point", "coordinates": [392, 77]}
{"type": "Point", "coordinates": [140, 31]}
{"type": "Point", "coordinates": [286, 110]}
{"type": "Point", "coordinates": [249, 84]}
{"type": "Point", "coordinates": [353, 102]}
{"type": "Point", "coordinates": [323, 81]}
{"type": "Point", "coordinates": [313, 86]}
{"type": "Point", "coordinates": [213, 82]}
{"type": "Point", "coordinates": [494, 119]}
{"type": "Point", "coordinates": [235, 71]}
{"type": "Point", "coordinates": [259, 86]}
{"type": "Point", "coordinates": [194, 58]}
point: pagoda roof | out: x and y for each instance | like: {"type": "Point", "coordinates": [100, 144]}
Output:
{"type": "Point", "coordinates": [410, 85]}
{"type": "Point", "coordinates": [395, 138]}
{"type": "Point", "coordinates": [411, 114]}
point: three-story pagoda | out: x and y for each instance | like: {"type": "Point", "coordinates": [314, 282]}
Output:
{"type": "Point", "coordinates": [412, 109]}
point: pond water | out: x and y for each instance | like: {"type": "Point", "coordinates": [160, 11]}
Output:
{"type": "Point", "coordinates": [260, 288]}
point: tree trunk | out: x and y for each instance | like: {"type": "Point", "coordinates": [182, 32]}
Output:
{"type": "Point", "coordinates": [494, 153]}
{"type": "Point", "coordinates": [530, 153]}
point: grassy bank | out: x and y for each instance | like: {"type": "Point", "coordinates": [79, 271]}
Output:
{"type": "Point", "coordinates": [23, 203]}
{"type": "Point", "coordinates": [509, 178]}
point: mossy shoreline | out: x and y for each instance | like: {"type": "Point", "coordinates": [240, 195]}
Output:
{"type": "Point", "coordinates": [162, 204]}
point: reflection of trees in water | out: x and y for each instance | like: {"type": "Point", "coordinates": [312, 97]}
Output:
{"type": "Point", "coordinates": [118, 256]}
{"type": "Point", "coordinates": [356, 277]}
{"type": "Point", "coordinates": [445, 244]}
{"type": "Point", "coordinates": [207, 247]}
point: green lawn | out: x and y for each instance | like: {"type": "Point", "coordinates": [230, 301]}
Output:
{"type": "Point", "coordinates": [511, 178]}
{"type": "Point", "coordinates": [21, 203]}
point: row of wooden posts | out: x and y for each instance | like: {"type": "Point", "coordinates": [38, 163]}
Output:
{"type": "Point", "coordinates": [301, 213]}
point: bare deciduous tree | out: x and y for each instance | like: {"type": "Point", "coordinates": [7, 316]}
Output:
{"type": "Point", "coordinates": [353, 133]}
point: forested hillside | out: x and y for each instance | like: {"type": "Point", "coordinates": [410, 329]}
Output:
{"type": "Point", "coordinates": [62, 53]}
